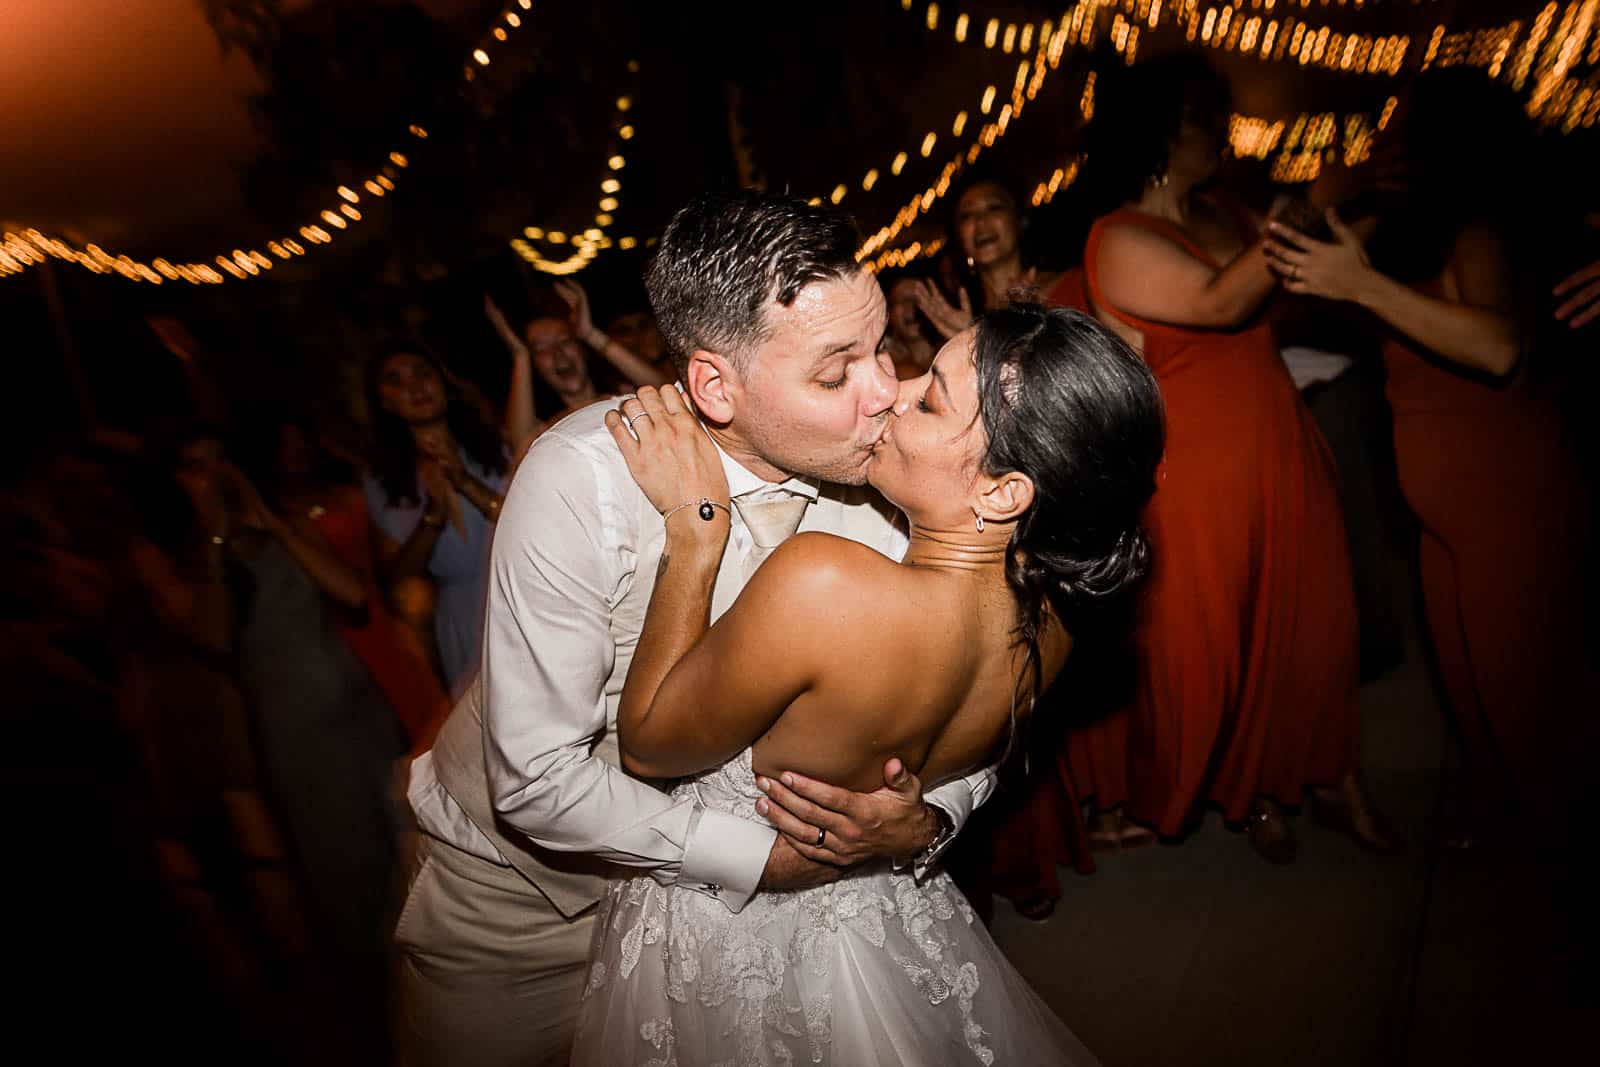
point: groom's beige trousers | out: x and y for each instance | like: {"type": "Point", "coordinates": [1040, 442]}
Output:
{"type": "Point", "coordinates": [490, 974]}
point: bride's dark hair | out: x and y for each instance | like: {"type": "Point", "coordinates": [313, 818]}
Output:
{"type": "Point", "coordinates": [1066, 402]}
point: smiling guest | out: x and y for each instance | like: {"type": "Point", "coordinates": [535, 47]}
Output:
{"type": "Point", "coordinates": [986, 227]}
{"type": "Point", "coordinates": [434, 491]}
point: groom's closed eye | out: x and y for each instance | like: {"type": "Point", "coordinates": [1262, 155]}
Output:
{"type": "Point", "coordinates": [831, 367]}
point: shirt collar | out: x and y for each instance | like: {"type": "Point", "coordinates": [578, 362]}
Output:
{"type": "Point", "coordinates": [742, 480]}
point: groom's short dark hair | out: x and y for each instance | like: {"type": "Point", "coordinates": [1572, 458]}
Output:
{"type": "Point", "coordinates": [725, 255]}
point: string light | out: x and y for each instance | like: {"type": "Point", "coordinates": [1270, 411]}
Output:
{"type": "Point", "coordinates": [1265, 30]}
{"type": "Point", "coordinates": [1304, 140]}
{"type": "Point", "coordinates": [1546, 51]}
{"type": "Point", "coordinates": [594, 239]}
{"type": "Point", "coordinates": [1030, 78]}
{"type": "Point", "coordinates": [21, 248]}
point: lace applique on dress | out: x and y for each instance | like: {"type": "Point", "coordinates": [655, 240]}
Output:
{"type": "Point", "coordinates": [876, 968]}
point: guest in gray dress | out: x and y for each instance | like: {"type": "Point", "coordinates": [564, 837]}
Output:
{"type": "Point", "coordinates": [327, 742]}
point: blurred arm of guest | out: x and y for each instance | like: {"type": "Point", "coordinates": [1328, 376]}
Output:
{"type": "Point", "coordinates": [190, 595]}
{"type": "Point", "coordinates": [1151, 276]}
{"type": "Point", "coordinates": [306, 545]}
{"type": "Point", "coordinates": [632, 367]}
{"type": "Point", "coordinates": [1471, 322]}
{"type": "Point", "coordinates": [1582, 291]}
{"type": "Point", "coordinates": [520, 421]}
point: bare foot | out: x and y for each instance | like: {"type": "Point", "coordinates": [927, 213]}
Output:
{"type": "Point", "coordinates": [1105, 830]}
{"type": "Point", "coordinates": [1347, 808]}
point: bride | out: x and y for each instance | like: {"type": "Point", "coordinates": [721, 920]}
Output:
{"type": "Point", "coordinates": [1023, 459]}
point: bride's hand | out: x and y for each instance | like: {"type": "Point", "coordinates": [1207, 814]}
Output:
{"type": "Point", "coordinates": [672, 457]}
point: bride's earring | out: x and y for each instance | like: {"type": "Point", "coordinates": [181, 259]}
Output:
{"type": "Point", "coordinates": [979, 524]}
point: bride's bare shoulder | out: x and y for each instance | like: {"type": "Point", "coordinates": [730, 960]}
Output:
{"type": "Point", "coordinates": [822, 568]}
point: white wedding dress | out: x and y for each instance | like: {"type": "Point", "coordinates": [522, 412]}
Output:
{"type": "Point", "coordinates": [873, 971]}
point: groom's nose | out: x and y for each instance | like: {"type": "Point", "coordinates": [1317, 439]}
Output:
{"type": "Point", "coordinates": [882, 389]}
{"type": "Point", "coordinates": [903, 396]}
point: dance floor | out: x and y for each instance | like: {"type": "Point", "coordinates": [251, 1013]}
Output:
{"type": "Point", "coordinates": [1203, 954]}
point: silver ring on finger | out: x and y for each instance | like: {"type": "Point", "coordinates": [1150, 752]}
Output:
{"type": "Point", "coordinates": [822, 835]}
{"type": "Point", "coordinates": [635, 418]}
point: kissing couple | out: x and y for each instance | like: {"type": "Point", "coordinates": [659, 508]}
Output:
{"type": "Point", "coordinates": [790, 595]}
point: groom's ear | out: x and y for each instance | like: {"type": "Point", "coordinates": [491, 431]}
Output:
{"type": "Point", "coordinates": [1005, 498]}
{"type": "Point", "coordinates": [711, 384]}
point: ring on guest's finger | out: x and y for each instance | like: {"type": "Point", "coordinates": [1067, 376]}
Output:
{"type": "Point", "coordinates": [633, 419]}
{"type": "Point", "coordinates": [822, 835]}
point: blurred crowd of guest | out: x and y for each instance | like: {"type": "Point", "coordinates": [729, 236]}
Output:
{"type": "Point", "coordinates": [234, 631]}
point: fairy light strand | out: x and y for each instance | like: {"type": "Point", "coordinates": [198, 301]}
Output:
{"type": "Point", "coordinates": [21, 248]}
{"type": "Point", "coordinates": [593, 240]}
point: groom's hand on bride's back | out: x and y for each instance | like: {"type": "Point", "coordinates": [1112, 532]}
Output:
{"type": "Point", "coordinates": [890, 821]}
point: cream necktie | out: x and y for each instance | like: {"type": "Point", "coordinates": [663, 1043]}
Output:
{"type": "Point", "coordinates": [771, 515]}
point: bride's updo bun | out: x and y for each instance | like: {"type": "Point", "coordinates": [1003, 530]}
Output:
{"type": "Point", "coordinates": [1068, 403]}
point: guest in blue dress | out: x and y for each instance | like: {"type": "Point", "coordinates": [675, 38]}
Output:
{"type": "Point", "coordinates": [439, 473]}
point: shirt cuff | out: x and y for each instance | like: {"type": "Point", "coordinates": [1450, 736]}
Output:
{"type": "Point", "coordinates": [725, 856]}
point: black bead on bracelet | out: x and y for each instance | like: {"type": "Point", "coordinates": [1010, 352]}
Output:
{"type": "Point", "coordinates": [707, 509]}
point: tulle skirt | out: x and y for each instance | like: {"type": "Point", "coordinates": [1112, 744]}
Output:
{"type": "Point", "coordinates": [877, 969]}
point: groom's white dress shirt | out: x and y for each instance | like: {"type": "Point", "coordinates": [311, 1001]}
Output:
{"type": "Point", "coordinates": [571, 573]}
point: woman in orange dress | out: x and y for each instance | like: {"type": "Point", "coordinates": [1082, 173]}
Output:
{"type": "Point", "coordinates": [1485, 460]}
{"type": "Point", "coordinates": [1248, 650]}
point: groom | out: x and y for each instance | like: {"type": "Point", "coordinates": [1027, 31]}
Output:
{"type": "Point", "coordinates": [525, 813]}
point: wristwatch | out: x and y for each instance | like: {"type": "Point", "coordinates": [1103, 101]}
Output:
{"type": "Point", "coordinates": [941, 837]}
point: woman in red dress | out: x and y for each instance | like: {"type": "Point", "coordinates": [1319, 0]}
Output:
{"type": "Point", "coordinates": [1247, 643]}
{"type": "Point", "coordinates": [1484, 459]}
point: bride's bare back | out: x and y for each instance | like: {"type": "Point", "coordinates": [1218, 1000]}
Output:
{"type": "Point", "coordinates": [836, 658]}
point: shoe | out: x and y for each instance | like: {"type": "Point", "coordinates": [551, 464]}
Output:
{"type": "Point", "coordinates": [1271, 835]}
{"type": "Point", "coordinates": [1035, 907]}
{"type": "Point", "coordinates": [1105, 831]}
{"type": "Point", "coordinates": [1348, 811]}
{"type": "Point", "coordinates": [1135, 836]}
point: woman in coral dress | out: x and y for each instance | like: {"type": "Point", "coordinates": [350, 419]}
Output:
{"type": "Point", "coordinates": [1248, 650]}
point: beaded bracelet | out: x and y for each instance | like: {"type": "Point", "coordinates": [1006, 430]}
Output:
{"type": "Point", "coordinates": [708, 509]}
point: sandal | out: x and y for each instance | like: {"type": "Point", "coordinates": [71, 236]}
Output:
{"type": "Point", "coordinates": [1270, 833]}
{"type": "Point", "coordinates": [1035, 907]}
{"type": "Point", "coordinates": [1135, 836]}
